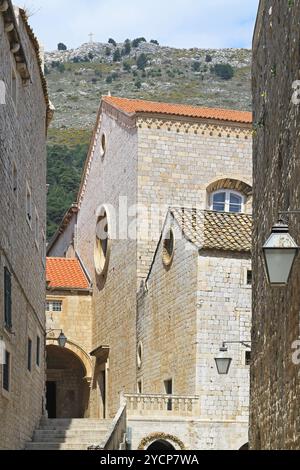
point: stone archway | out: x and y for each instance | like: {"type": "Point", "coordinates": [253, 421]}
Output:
{"type": "Point", "coordinates": [67, 386]}
{"type": "Point", "coordinates": [161, 444]}
{"type": "Point", "coordinates": [161, 441]}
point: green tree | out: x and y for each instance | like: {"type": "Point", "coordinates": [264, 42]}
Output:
{"type": "Point", "coordinates": [61, 46]}
{"type": "Point", "coordinates": [136, 42]}
{"type": "Point", "coordinates": [126, 66]}
{"type": "Point", "coordinates": [142, 61]}
{"type": "Point", "coordinates": [108, 51]}
{"type": "Point", "coordinates": [127, 47]}
{"type": "Point", "coordinates": [154, 41]}
{"type": "Point", "coordinates": [117, 55]}
{"type": "Point", "coordinates": [224, 71]}
{"type": "Point", "coordinates": [61, 68]}
{"type": "Point", "coordinates": [208, 58]}
{"type": "Point", "coordinates": [112, 41]}
{"type": "Point", "coordinates": [138, 83]}
{"type": "Point", "coordinates": [196, 66]}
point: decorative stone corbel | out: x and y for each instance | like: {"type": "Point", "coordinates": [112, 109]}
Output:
{"type": "Point", "coordinates": [9, 27]}
{"type": "Point", "coordinates": [3, 6]}
{"type": "Point", "coordinates": [15, 47]}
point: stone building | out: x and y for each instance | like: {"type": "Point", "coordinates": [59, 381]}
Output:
{"type": "Point", "coordinates": [275, 391]}
{"type": "Point", "coordinates": [158, 325]}
{"type": "Point", "coordinates": [22, 227]}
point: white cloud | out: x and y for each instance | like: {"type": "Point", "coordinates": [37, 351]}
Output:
{"type": "Point", "coordinates": [181, 23]}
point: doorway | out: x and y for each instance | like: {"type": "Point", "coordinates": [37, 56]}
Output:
{"type": "Point", "coordinates": [51, 399]}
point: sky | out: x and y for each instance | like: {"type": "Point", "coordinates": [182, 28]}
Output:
{"type": "Point", "coordinates": [177, 23]}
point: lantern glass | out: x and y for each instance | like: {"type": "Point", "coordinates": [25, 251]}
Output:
{"type": "Point", "coordinates": [62, 340]}
{"type": "Point", "coordinates": [280, 252]}
{"type": "Point", "coordinates": [279, 263]}
{"type": "Point", "coordinates": [223, 365]}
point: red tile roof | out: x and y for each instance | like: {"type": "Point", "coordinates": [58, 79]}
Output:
{"type": "Point", "coordinates": [66, 273]}
{"type": "Point", "coordinates": [140, 106]}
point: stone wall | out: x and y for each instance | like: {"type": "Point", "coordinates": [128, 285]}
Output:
{"type": "Point", "coordinates": [22, 143]}
{"type": "Point", "coordinates": [166, 322]}
{"type": "Point", "coordinates": [111, 176]}
{"type": "Point", "coordinates": [178, 160]}
{"type": "Point", "coordinates": [275, 392]}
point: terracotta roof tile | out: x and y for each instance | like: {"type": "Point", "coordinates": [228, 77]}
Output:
{"type": "Point", "coordinates": [141, 106]}
{"type": "Point", "coordinates": [67, 273]}
{"type": "Point", "coordinates": [215, 230]}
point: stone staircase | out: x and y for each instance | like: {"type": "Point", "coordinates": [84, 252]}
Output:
{"type": "Point", "coordinates": [69, 434]}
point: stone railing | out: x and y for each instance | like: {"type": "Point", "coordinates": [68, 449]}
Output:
{"type": "Point", "coordinates": [162, 405]}
{"type": "Point", "coordinates": [116, 435]}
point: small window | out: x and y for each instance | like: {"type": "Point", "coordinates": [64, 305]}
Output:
{"type": "Point", "coordinates": [249, 277]}
{"type": "Point", "coordinates": [14, 87]}
{"type": "Point", "coordinates": [54, 306]}
{"type": "Point", "coordinates": [169, 391]}
{"type": "Point", "coordinates": [6, 373]}
{"type": "Point", "coordinates": [15, 179]}
{"type": "Point", "coordinates": [140, 387]}
{"type": "Point", "coordinates": [227, 201]}
{"type": "Point", "coordinates": [248, 358]}
{"type": "Point", "coordinates": [28, 205]}
{"type": "Point", "coordinates": [38, 350]}
{"type": "Point", "coordinates": [103, 145]}
{"type": "Point", "coordinates": [168, 248]}
{"type": "Point", "coordinates": [140, 355]}
{"type": "Point", "coordinates": [7, 299]}
{"type": "Point", "coordinates": [37, 228]}
{"type": "Point", "coordinates": [43, 248]}
{"type": "Point", "coordinates": [29, 353]}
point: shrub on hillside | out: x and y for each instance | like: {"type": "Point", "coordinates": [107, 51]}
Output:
{"type": "Point", "coordinates": [154, 41]}
{"type": "Point", "coordinates": [196, 66]}
{"type": "Point", "coordinates": [136, 42]}
{"type": "Point", "coordinates": [224, 71]}
{"type": "Point", "coordinates": [127, 47]}
{"type": "Point", "coordinates": [112, 41]}
{"type": "Point", "coordinates": [117, 55]}
{"type": "Point", "coordinates": [142, 61]}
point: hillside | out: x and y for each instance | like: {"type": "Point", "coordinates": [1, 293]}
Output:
{"type": "Point", "coordinates": [135, 69]}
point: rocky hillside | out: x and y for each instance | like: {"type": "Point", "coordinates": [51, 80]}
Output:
{"type": "Point", "coordinates": [77, 78]}
{"type": "Point", "coordinates": [134, 69]}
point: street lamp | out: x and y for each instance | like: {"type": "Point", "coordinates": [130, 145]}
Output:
{"type": "Point", "coordinates": [223, 361]}
{"type": "Point", "coordinates": [62, 339]}
{"type": "Point", "coordinates": [280, 251]}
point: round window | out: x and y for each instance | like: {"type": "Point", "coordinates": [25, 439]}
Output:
{"type": "Point", "coordinates": [102, 243]}
{"type": "Point", "coordinates": [168, 248]}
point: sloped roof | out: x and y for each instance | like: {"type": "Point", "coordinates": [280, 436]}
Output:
{"type": "Point", "coordinates": [210, 230]}
{"type": "Point", "coordinates": [66, 273]}
{"type": "Point", "coordinates": [130, 106]}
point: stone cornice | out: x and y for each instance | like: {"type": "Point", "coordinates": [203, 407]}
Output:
{"type": "Point", "coordinates": [195, 126]}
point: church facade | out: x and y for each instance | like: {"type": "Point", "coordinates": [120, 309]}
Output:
{"type": "Point", "coordinates": [161, 231]}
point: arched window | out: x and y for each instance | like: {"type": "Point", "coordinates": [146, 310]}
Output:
{"type": "Point", "coordinates": [226, 200]}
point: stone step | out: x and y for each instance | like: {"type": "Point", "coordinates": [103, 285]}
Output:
{"type": "Point", "coordinates": [56, 446]}
{"type": "Point", "coordinates": [41, 436]}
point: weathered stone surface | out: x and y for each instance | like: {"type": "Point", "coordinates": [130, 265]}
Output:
{"type": "Point", "coordinates": [275, 392]}
{"type": "Point", "coordinates": [22, 143]}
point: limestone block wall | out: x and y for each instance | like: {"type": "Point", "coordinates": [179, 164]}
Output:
{"type": "Point", "coordinates": [22, 143]}
{"type": "Point", "coordinates": [223, 314]}
{"type": "Point", "coordinates": [275, 391]}
{"type": "Point", "coordinates": [114, 297]}
{"type": "Point", "coordinates": [194, 434]}
{"type": "Point", "coordinates": [178, 160]}
{"type": "Point", "coordinates": [166, 323]}
{"type": "Point", "coordinates": [75, 319]}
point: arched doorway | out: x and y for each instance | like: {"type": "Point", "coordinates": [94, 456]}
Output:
{"type": "Point", "coordinates": [161, 444]}
{"type": "Point", "coordinates": [67, 388]}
